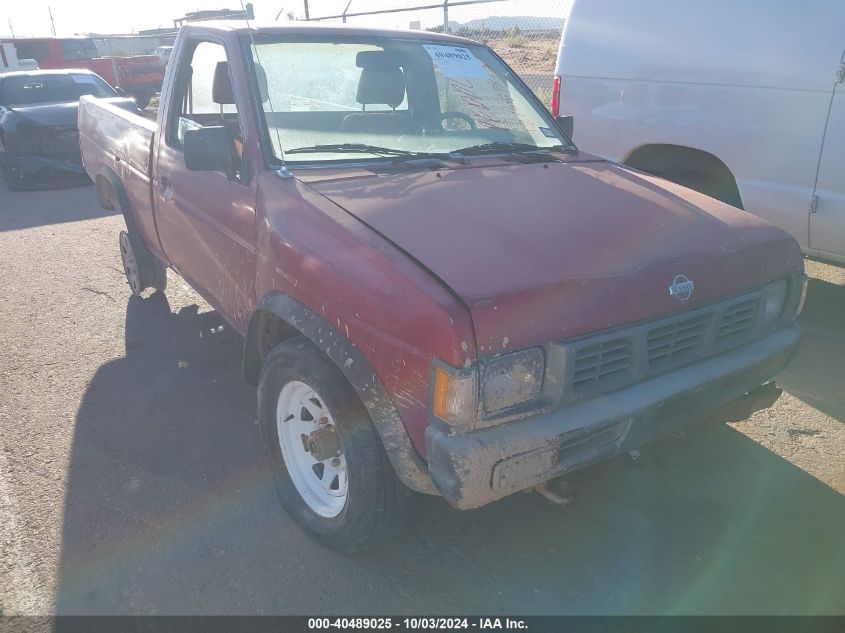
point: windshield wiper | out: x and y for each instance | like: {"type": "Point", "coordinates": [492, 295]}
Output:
{"type": "Point", "coordinates": [512, 148]}
{"type": "Point", "coordinates": [356, 148]}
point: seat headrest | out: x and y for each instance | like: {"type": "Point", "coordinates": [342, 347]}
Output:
{"type": "Point", "coordinates": [376, 59]}
{"type": "Point", "coordinates": [221, 89]}
{"type": "Point", "coordinates": [381, 85]}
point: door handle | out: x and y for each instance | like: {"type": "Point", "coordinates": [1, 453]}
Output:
{"type": "Point", "coordinates": [165, 188]}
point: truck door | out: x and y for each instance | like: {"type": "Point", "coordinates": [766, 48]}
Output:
{"type": "Point", "coordinates": [206, 220]}
{"type": "Point", "coordinates": [827, 219]}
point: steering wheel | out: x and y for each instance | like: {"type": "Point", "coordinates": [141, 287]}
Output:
{"type": "Point", "coordinates": [458, 115]}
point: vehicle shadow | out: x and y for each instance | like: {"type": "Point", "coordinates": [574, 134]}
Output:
{"type": "Point", "coordinates": [28, 209]}
{"type": "Point", "coordinates": [169, 509]}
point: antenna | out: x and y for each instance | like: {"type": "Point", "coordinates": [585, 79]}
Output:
{"type": "Point", "coordinates": [283, 170]}
{"type": "Point", "coordinates": [52, 24]}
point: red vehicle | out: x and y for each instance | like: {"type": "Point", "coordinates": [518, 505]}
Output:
{"type": "Point", "coordinates": [139, 76]}
{"type": "Point", "coordinates": [436, 289]}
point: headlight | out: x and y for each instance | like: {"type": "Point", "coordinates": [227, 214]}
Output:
{"type": "Point", "coordinates": [505, 382]}
{"type": "Point", "coordinates": [775, 297]}
{"type": "Point", "coordinates": [512, 379]}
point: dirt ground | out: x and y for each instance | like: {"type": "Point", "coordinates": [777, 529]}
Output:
{"type": "Point", "coordinates": [133, 478]}
{"type": "Point", "coordinates": [526, 55]}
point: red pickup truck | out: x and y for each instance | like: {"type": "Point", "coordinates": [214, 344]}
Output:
{"type": "Point", "coordinates": [437, 290]}
{"type": "Point", "coordinates": [139, 76]}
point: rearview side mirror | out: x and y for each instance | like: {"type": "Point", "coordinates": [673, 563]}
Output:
{"type": "Point", "coordinates": [209, 149]}
{"type": "Point", "coordinates": [566, 124]}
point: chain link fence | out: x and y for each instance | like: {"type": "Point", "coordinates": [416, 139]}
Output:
{"type": "Point", "coordinates": [526, 33]}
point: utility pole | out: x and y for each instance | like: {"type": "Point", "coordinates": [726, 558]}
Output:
{"type": "Point", "coordinates": [52, 24]}
{"type": "Point", "coordinates": [306, 9]}
{"type": "Point", "coordinates": [11, 28]}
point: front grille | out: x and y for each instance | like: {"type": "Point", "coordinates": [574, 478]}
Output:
{"type": "Point", "coordinates": [606, 361]}
{"type": "Point", "coordinates": [675, 340]}
{"type": "Point", "coordinates": [738, 320]}
{"type": "Point", "coordinates": [598, 362]}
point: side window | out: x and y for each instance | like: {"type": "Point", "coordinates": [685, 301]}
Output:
{"type": "Point", "coordinates": [206, 96]}
{"type": "Point", "coordinates": [32, 50]}
{"type": "Point", "coordinates": [78, 49]}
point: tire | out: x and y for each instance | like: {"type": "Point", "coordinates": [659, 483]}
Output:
{"type": "Point", "coordinates": [13, 180]}
{"type": "Point", "coordinates": [375, 503]}
{"type": "Point", "coordinates": [142, 99]}
{"type": "Point", "coordinates": [142, 269]}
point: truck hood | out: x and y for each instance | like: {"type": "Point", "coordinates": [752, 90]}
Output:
{"type": "Point", "coordinates": [548, 251]}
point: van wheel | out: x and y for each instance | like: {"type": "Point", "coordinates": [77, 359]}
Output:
{"type": "Point", "coordinates": [142, 269]}
{"type": "Point", "coordinates": [330, 469]}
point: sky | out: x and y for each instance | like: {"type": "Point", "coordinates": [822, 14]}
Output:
{"type": "Point", "coordinates": [32, 17]}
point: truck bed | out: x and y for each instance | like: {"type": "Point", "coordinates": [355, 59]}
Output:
{"type": "Point", "coordinates": [117, 141]}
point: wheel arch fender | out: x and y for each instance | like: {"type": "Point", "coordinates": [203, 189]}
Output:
{"type": "Point", "coordinates": [663, 158]}
{"type": "Point", "coordinates": [291, 318]}
{"type": "Point", "coordinates": [111, 195]}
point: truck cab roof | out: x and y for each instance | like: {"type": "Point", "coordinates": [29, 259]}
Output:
{"type": "Point", "coordinates": [299, 28]}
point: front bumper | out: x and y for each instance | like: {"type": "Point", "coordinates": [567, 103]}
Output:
{"type": "Point", "coordinates": [26, 169]}
{"type": "Point", "coordinates": [474, 469]}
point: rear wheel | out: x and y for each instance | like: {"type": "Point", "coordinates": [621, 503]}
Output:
{"type": "Point", "coordinates": [330, 469]}
{"type": "Point", "coordinates": [142, 269]}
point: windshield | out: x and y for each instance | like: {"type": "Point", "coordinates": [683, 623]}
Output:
{"type": "Point", "coordinates": [34, 89]}
{"type": "Point", "coordinates": [348, 98]}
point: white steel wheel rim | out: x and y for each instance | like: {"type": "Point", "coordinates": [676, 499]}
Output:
{"type": "Point", "coordinates": [130, 264]}
{"type": "Point", "coordinates": [323, 485]}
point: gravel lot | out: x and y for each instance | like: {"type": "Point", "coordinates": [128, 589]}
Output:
{"type": "Point", "coordinates": [133, 479]}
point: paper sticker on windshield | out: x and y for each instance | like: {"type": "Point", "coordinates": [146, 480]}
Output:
{"type": "Point", "coordinates": [547, 131]}
{"type": "Point", "coordinates": [84, 79]}
{"type": "Point", "coordinates": [455, 61]}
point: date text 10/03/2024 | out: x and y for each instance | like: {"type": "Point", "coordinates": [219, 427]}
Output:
{"type": "Point", "coordinates": [417, 624]}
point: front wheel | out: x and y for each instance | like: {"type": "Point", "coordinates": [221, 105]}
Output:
{"type": "Point", "coordinates": [330, 469]}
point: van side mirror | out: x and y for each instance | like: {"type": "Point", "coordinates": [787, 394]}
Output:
{"type": "Point", "coordinates": [209, 149]}
{"type": "Point", "coordinates": [566, 124]}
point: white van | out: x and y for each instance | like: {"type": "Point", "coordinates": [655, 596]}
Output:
{"type": "Point", "coordinates": [743, 101]}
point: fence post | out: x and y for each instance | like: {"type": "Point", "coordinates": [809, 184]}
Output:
{"type": "Point", "coordinates": [348, 4]}
{"type": "Point", "coordinates": [446, 16]}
